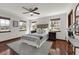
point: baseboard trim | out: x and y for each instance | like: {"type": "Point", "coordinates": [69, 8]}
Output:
{"type": "Point", "coordinates": [61, 40]}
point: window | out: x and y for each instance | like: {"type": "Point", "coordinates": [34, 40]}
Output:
{"type": "Point", "coordinates": [77, 25]}
{"type": "Point", "coordinates": [33, 26]}
{"type": "Point", "coordinates": [55, 25]}
{"type": "Point", "coordinates": [4, 24]}
{"type": "Point", "coordinates": [22, 25]}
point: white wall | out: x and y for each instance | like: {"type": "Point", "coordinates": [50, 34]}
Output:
{"type": "Point", "coordinates": [14, 30]}
{"type": "Point", "coordinates": [63, 19]}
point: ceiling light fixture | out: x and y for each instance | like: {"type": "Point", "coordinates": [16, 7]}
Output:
{"type": "Point", "coordinates": [31, 14]}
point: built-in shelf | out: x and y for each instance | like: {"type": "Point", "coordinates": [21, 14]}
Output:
{"type": "Point", "coordinates": [55, 25]}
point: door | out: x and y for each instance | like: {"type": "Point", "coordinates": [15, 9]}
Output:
{"type": "Point", "coordinates": [70, 21]}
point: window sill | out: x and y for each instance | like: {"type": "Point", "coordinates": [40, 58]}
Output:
{"type": "Point", "coordinates": [4, 31]}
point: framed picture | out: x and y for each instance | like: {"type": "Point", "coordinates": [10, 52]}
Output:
{"type": "Point", "coordinates": [15, 23]}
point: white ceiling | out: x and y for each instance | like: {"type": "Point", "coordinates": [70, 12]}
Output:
{"type": "Point", "coordinates": [45, 9]}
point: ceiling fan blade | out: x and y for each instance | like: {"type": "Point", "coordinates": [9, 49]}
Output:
{"type": "Point", "coordinates": [25, 8]}
{"type": "Point", "coordinates": [34, 9]}
{"type": "Point", "coordinates": [25, 12]}
{"type": "Point", "coordinates": [36, 13]}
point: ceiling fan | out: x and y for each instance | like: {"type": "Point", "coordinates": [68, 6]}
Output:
{"type": "Point", "coordinates": [31, 11]}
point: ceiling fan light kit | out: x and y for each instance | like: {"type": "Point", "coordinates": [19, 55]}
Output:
{"type": "Point", "coordinates": [31, 14]}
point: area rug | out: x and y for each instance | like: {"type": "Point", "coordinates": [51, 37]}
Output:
{"type": "Point", "coordinates": [25, 49]}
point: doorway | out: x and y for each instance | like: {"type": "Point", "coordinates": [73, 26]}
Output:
{"type": "Point", "coordinates": [70, 21]}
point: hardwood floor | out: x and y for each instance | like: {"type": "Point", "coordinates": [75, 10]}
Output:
{"type": "Point", "coordinates": [4, 48]}
{"type": "Point", "coordinates": [61, 44]}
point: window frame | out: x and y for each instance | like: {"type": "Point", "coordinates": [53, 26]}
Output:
{"type": "Point", "coordinates": [23, 22]}
{"type": "Point", "coordinates": [33, 23]}
{"type": "Point", "coordinates": [5, 18]}
{"type": "Point", "coordinates": [55, 24]}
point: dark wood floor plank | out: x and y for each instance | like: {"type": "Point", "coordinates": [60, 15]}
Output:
{"type": "Point", "coordinates": [63, 46]}
{"type": "Point", "coordinates": [4, 47]}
